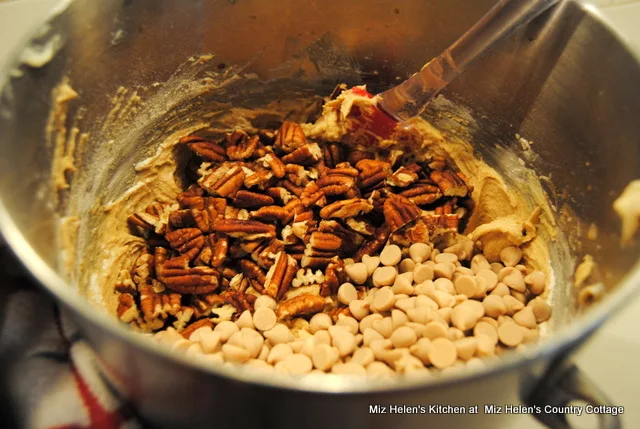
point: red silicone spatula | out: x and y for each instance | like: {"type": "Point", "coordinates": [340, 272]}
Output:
{"type": "Point", "coordinates": [408, 99]}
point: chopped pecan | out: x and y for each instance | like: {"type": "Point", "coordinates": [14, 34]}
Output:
{"type": "Point", "coordinates": [239, 283]}
{"type": "Point", "coordinates": [229, 273]}
{"type": "Point", "coordinates": [181, 219]}
{"type": "Point", "coordinates": [259, 179]}
{"type": "Point", "coordinates": [418, 232]}
{"type": "Point", "coordinates": [300, 305]}
{"type": "Point", "coordinates": [313, 195]}
{"type": "Point", "coordinates": [312, 289]}
{"type": "Point", "coordinates": [336, 312]}
{"type": "Point", "coordinates": [440, 220]}
{"type": "Point", "coordinates": [127, 310]}
{"type": "Point", "coordinates": [372, 246]}
{"type": "Point", "coordinates": [187, 241]}
{"type": "Point", "coordinates": [299, 175]}
{"type": "Point", "coordinates": [307, 277]}
{"type": "Point", "coordinates": [124, 283]}
{"type": "Point", "coordinates": [205, 149]}
{"type": "Point", "coordinates": [202, 304]}
{"type": "Point", "coordinates": [252, 271]}
{"type": "Point", "coordinates": [220, 249]}
{"type": "Point", "coordinates": [402, 178]}
{"type": "Point", "coordinates": [449, 183]}
{"type": "Point", "coordinates": [243, 148]}
{"type": "Point", "coordinates": [178, 276]}
{"type": "Point", "coordinates": [244, 229]}
{"type": "Point", "coordinates": [154, 218]}
{"type": "Point", "coordinates": [291, 187]}
{"type": "Point", "coordinates": [334, 276]}
{"type": "Point", "coordinates": [308, 261]}
{"type": "Point", "coordinates": [143, 269]}
{"type": "Point", "coordinates": [290, 137]}
{"type": "Point", "coordinates": [252, 200]}
{"type": "Point", "coordinates": [271, 161]}
{"type": "Point", "coordinates": [272, 214]}
{"type": "Point", "coordinates": [422, 194]}
{"type": "Point", "coordinates": [190, 329]}
{"type": "Point", "coordinates": [239, 300]}
{"type": "Point", "coordinates": [350, 240]}
{"type": "Point", "coordinates": [361, 226]}
{"type": "Point", "coordinates": [265, 254]}
{"type": "Point", "coordinates": [399, 211]}
{"type": "Point", "coordinates": [152, 306]}
{"type": "Point", "coordinates": [280, 194]}
{"type": "Point", "coordinates": [346, 208]}
{"type": "Point", "coordinates": [308, 154]}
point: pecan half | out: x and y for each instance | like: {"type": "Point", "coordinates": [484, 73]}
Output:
{"type": "Point", "coordinates": [449, 183]}
{"type": "Point", "coordinates": [178, 276]}
{"type": "Point", "coordinates": [399, 211]}
{"type": "Point", "coordinates": [243, 148]}
{"type": "Point", "coordinates": [252, 200]}
{"type": "Point", "coordinates": [252, 271]}
{"type": "Point", "coordinates": [347, 208]}
{"type": "Point", "coordinates": [372, 172]}
{"type": "Point", "coordinates": [422, 194]}
{"type": "Point", "coordinates": [187, 241]}
{"type": "Point", "coordinates": [272, 214]}
{"type": "Point", "coordinates": [280, 275]}
{"type": "Point", "coordinates": [333, 154]}
{"type": "Point", "coordinates": [290, 137]}
{"type": "Point", "coordinates": [300, 305]}
{"type": "Point", "coordinates": [205, 149]}
{"type": "Point", "coordinates": [338, 184]}
{"type": "Point", "coordinates": [308, 154]}
{"type": "Point", "coordinates": [325, 242]}
{"type": "Point", "coordinates": [224, 181]}
{"type": "Point", "coordinates": [244, 229]}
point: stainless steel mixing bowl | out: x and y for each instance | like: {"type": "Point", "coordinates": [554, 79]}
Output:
{"type": "Point", "coordinates": [566, 82]}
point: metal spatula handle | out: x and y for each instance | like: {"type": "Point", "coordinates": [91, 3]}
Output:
{"type": "Point", "coordinates": [409, 98]}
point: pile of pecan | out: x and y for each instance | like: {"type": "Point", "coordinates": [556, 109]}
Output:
{"type": "Point", "coordinates": [277, 214]}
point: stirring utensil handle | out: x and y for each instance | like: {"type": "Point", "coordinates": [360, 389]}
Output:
{"type": "Point", "coordinates": [409, 98]}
